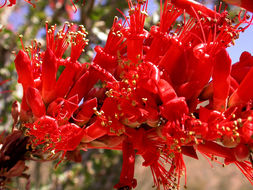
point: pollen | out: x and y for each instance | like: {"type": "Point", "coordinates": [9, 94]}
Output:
{"type": "Point", "coordinates": [144, 100]}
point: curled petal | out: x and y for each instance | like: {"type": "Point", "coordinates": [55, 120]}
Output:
{"type": "Point", "coordinates": [82, 86]}
{"type": "Point", "coordinates": [105, 60]}
{"type": "Point", "coordinates": [62, 109]}
{"type": "Point", "coordinates": [174, 109]}
{"type": "Point", "coordinates": [189, 151]}
{"type": "Point", "coordinates": [94, 131]}
{"type": "Point", "coordinates": [166, 91]}
{"type": "Point", "coordinates": [86, 111]}
{"type": "Point", "coordinates": [70, 137]}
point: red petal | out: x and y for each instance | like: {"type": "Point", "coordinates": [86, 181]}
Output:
{"type": "Point", "coordinates": [86, 111]}
{"type": "Point", "coordinates": [34, 100]}
{"type": "Point", "coordinates": [24, 69]}
{"type": "Point", "coordinates": [49, 71]}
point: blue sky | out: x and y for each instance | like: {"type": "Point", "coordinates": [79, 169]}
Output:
{"type": "Point", "coordinates": [244, 43]}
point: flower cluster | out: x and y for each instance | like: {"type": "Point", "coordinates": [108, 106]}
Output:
{"type": "Point", "coordinates": [161, 94]}
{"type": "Point", "coordinates": [50, 101]}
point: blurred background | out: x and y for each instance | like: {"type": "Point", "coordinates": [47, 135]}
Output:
{"type": "Point", "coordinates": [99, 169]}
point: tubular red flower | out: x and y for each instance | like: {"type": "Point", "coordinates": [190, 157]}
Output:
{"type": "Point", "coordinates": [78, 43]}
{"type": "Point", "coordinates": [107, 57]}
{"type": "Point", "coordinates": [48, 77]}
{"type": "Point", "coordinates": [35, 102]}
{"type": "Point", "coordinates": [24, 69]}
{"type": "Point", "coordinates": [136, 34]}
{"type": "Point", "coordinates": [172, 57]}
{"type": "Point", "coordinates": [58, 43]}
{"type": "Point", "coordinates": [127, 172]}
{"type": "Point", "coordinates": [221, 82]}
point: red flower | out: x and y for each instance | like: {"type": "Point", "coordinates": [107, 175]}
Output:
{"type": "Point", "coordinates": [46, 109]}
{"type": "Point", "coordinates": [35, 102]}
{"type": "Point", "coordinates": [127, 173]}
{"type": "Point", "coordinates": [107, 57]}
{"type": "Point", "coordinates": [159, 94]}
{"type": "Point", "coordinates": [48, 75]}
